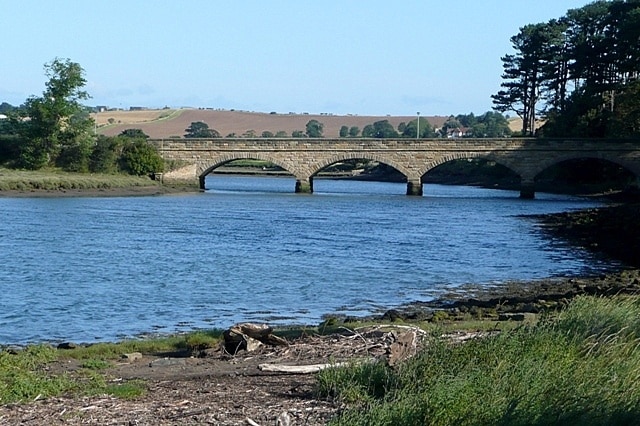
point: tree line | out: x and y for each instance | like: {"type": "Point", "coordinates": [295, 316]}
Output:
{"type": "Point", "coordinates": [578, 73]}
{"type": "Point", "coordinates": [488, 125]}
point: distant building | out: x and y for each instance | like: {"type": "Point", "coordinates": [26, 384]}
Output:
{"type": "Point", "coordinates": [137, 108]}
{"type": "Point", "coordinates": [459, 132]}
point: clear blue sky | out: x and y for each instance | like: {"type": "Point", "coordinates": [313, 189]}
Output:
{"type": "Point", "coordinates": [335, 56]}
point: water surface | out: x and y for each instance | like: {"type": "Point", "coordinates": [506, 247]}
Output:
{"type": "Point", "coordinates": [248, 249]}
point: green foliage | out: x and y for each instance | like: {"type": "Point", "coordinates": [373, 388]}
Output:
{"type": "Point", "coordinates": [368, 131]}
{"type": "Point", "coordinates": [488, 125]}
{"type": "Point", "coordinates": [297, 134]}
{"type": "Point", "coordinates": [200, 129]}
{"type": "Point", "coordinates": [21, 376]}
{"type": "Point", "coordinates": [383, 129]}
{"type": "Point", "coordinates": [75, 153]}
{"type": "Point", "coordinates": [95, 364]}
{"type": "Point", "coordinates": [6, 108]}
{"type": "Point", "coordinates": [267, 134]}
{"type": "Point", "coordinates": [580, 368]}
{"type": "Point", "coordinates": [56, 122]}
{"type": "Point", "coordinates": [426, 130]}
{"type": "Point", "coordinates": [105, 154]}
{"type": "Point", "coordinates": [134, 134]}
{"type": "Point", "coordinates": [353, 131]}
{"type": "Point", "coordinates": [9, 148]}
{"type": "Point", "coordinates": [128, 390]}
{"type": "Point", "coordinates": [579, 72]}
{"type": "Point", "coordinates": [314, 129]}
{"type": "Point", "coordinates": [344, 131]}
{"type": "Point", "coordinates": [140, 159]}
{"type": "Point", "coordinates": [202, 340]}
{"type": "Point", "coordinates": [356, 384]}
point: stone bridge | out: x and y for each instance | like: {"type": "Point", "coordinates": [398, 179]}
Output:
{"type": "Point", "coordinates": [305, 157]}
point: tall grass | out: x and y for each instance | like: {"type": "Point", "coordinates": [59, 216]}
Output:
{"type": "Point", "coordinates": [582, 367]}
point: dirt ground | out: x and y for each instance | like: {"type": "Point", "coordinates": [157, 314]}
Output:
{"type": "Point", "coordinates": [212, 387]}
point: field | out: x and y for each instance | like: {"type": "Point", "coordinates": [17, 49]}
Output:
{"type": "Point", "coordinates": [166, 123]}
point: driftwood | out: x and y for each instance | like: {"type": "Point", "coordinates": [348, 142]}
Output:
{"type": "Point", "coordinates": [249, 337]}
{"type": "Point", "coordinates": [403, 348]}
{"type": "Point", "coordinates": [298, 369]}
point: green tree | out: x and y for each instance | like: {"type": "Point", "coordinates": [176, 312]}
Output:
{"type": "Point", "coordinates": [314, 129]}
{"type": "Point", "coordinates": [626, 122]}
{"type": "Point", "coordinates": [574, 70]}
{"type": "Point", "coordinates": [140, 158]}
{"type": "Point", "coordinates": [56, 121]}
{"type": "Point", "coordinates": [383, 129]}
{"type": "Point", "coordinates": [134, 133]}
{"type": "Point", "coordinates": [267, 134]}
{"type": "Point", "coordinates": [75, 152]}
{"type": "Point", "coordinates": [200, 129]}
{"type": "Point", "coordinates": [6, 108]}
{"type": "Point", "coordinates": [281, 134]}
{"type": "Point", "coordinates": [297, 134]}
{"type": "Point", "coordinates": [523, 76]}
{"type": "Point", "coordinates": [410, 129]}
{"type": "Point", "coordinates": [105, 154]}
{"type": "Point", "coordinates": [344, 131]}
{"type": "Point", "coordinates": [368, 131]}
{"type": "Point", "coordinates": [353, 131]}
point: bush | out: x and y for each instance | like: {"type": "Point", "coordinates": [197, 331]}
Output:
{"type": "Point", "coordinates": [139, 158]}
{"type": "Point", "coordinates": [105, 154]}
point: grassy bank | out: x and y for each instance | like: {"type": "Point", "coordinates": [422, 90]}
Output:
{"type": "Point", "coordinates": [56, 180]}
{"type": "Point", "coordinates": [26, 374]}
{"type": "Point", "coordinates": [581, 367]}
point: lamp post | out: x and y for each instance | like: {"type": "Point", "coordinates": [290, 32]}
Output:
{"type": "Point", "coordinates": [418, 126]}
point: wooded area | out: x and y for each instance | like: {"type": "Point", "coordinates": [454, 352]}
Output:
{"type": "Point", "coordinates": [578, 73]}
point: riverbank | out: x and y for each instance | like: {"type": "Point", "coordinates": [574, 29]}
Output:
{"type": "Point", "coordinates": [132, 191]}
{"type": "Point", "coordinates": [57, 183]}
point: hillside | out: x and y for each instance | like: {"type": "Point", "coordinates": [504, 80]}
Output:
{"type": "Point", "coordinates": [160, 124]}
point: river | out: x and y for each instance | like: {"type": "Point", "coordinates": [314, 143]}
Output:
{"type": "Point", "coordinates": [91, 269]}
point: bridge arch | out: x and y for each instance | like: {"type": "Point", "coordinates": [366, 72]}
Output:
{"type": "Point", "coordinates": [546, 163]}
{"type": "Point", "coordinates": [206, 167]}
{"type": "Point", "coordinates": [629, 176]}
{"type": "Point", "coordinates": [356, 156]}
{"type": "Point", "coordinates": [527, 189]}
{"type": "Point", "coordinates": [503, 161]}
{"type": "Point", "coordinates": [413, 182]}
